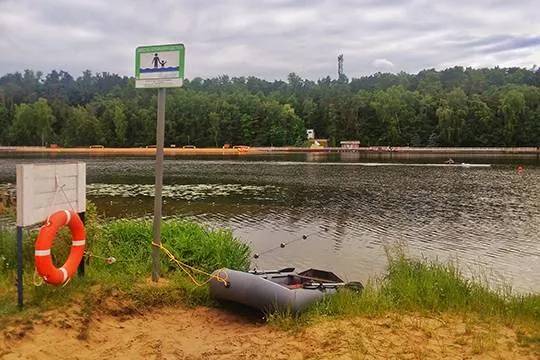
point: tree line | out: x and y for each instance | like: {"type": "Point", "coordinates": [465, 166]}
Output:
{"type": "Point", "coordinates": [453, 107]}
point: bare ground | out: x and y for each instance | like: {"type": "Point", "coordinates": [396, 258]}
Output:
{"type": "Point", "coordinates": [209, 333]}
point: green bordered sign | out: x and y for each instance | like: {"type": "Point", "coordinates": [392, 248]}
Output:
{"type": "Point", "coordinates": [159, 66]}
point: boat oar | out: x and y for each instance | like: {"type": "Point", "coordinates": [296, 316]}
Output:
{"type": "Point", "coordinates": [262, 272]}
{"type": "Point", "coordinates": [353, 285]}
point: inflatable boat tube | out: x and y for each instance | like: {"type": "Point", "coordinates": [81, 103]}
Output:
{"type": "Point", "coordinates": [269, 291]}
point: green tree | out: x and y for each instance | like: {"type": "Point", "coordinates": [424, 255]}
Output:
{"type": "Point", "coordinates": [429, 82]}
{"type": "Point", "coordinates": [120, 123]}
{"type": "Point", "coordinates": [451, 115]}
{"type": "Point", "coordinates": [452, 107]}
{"type": "Point", "coordinates": [395, 108]}
{"type": "Point", "coordinates": [214, 122]}
{"type": "Point", "coordinates": [479, 126]}
{"type": "Point", "coordinates": [32, 124]}
{"type": "Point", "coordinates": [512, 107]}
{"type": "Point", "coordinates": [82, 128]}
{"type": "Point", "coordinates": [111, 114]}
{"type": "Point", "coordinates": [4, 124]}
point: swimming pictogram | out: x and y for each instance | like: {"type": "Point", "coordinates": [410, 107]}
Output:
{"type": "Point", "coordinates": [156, 61]}
{"type": "Point", "coordinates": [159, 63]}
{"type": "Point", "coordinates": [159, 66]}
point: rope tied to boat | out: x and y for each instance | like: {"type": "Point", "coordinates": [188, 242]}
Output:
{"type": "Point", "coordinates": [185, 268]}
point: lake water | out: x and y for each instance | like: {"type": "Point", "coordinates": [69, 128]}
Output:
{"type": "Point", "coordinates": [350, 205]}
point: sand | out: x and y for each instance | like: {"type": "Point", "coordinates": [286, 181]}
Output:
{"type": "Point", "coordinates": [145, 152]}
{"type": "Point", "coordinates": [209, 333]}
{"type": "Point", "coordinates": [179, 151]}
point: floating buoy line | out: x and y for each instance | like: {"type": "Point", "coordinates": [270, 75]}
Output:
{"type": "Point", "coordinates": [284, 244]}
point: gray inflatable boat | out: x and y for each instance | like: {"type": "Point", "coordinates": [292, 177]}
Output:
{"type": "Point", "coordinates": [276, 289]}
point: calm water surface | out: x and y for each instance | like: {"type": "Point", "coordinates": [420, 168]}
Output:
{"type": "Point", "coordinates": [486, 219]}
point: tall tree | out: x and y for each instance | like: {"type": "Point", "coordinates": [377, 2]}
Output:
{"type": "Point", "coordinates": [32, 124]}
{"type": "Point", "coordinates": [4, 124]}
{"type": "Point", "coordinates": [451, 115]}
{"type": "Point", "coordinates": [512, 108]}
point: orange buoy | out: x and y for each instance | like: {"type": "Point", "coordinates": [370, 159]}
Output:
{"type": "Point", "coordinates": [44, 264]}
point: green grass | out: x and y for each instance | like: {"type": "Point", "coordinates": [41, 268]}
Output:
{"type": "Point", "coordinates": [129, 242]}
{"type": "Point", "coordinates": [419, 285]}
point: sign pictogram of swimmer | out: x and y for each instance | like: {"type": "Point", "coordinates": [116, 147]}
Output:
{"type": "Point", "coordinates": [156, 61]}
{"type": "Point", "coordinates": [159, 66]}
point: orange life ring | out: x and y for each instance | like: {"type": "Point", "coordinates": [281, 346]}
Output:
{"type": "Point", "coordinates": [44, 265]}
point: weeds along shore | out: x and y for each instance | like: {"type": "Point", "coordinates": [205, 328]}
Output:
{"type": "Point", "coordinates": [409, 285]}
{"type": "Point", "coordinates": [120, 261]}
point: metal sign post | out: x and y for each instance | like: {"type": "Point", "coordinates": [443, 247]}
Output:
{"type": "Point", "coordinates": [159, 66]}
{"type": "Point", "coordinates": [160, 140]}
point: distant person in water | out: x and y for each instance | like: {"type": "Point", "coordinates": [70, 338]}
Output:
{"type": "Point", "coordinates": [156, 61]}
{"type": "Point", "coordinates": [450, 161]}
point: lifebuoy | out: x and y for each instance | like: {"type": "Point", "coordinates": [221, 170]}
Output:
{"type": "Point", "coordinates": [44, 264]}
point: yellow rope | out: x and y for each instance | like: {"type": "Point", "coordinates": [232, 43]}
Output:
{"type": "Point", "coordinates": [184, 267]}
{"type": "Point", "coordinates": [37, 283]}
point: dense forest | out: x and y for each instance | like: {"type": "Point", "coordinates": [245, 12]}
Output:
{"type": "Point", "coordinates": [453, 107]}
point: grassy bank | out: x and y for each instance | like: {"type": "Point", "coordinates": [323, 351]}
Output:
{"type": "Point", "coordinates": [409, 285]}
{"type": "Point", "coordinates": [128, 242]}
{"type": "Point", "coordinates": [427, 287]}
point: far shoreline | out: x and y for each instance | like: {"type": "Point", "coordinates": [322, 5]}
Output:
{"type": "Point", "coordinates": [173, 151]}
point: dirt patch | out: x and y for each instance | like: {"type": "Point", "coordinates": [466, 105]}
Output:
{"type": "Point", "coordinates": [207, 333]}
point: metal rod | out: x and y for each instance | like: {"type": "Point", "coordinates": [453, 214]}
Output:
{"type": "Point", "coordinates": [80, 269]}
{"type": "Point", "coordinates": [20, 266]}
{"type": "Point", "coordinates": [160, 140]}
{"type": "Point", "coordinates": [262, 272]}
{"type": "Point", "coordinates": [325, 284]}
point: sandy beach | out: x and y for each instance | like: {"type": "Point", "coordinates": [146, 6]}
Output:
{"type": "Point", "coordinates": [117, 332]}
{"type": "Point", "coordinates": [178, 151]}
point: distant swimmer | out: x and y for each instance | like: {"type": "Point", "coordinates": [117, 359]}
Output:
{"type": "Point", "coordinates": [156, 61]}
{"type": "Point", "coordinates": [450, 161]}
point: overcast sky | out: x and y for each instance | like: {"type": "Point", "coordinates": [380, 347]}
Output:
{"type": "Point", "coordinates": [270, 38]}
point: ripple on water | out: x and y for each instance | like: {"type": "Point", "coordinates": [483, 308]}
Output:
{"type": "Point", "coordinates": [484, 216]}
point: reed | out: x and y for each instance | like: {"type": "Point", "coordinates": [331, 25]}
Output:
{"type": "Point", "coordinates": [423, 286]}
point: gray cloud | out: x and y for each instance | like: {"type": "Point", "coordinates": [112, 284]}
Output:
{"type": "Point", "coordinates": [270, 38]}
{"type": "Point", "coordinates": [514, 43]}
{"type": "Point", "coordinates": [383, 64]}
